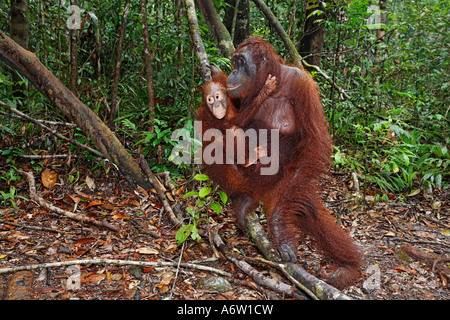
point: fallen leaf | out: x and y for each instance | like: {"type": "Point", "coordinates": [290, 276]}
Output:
{"type": "Point", "coordinates": [90, 183]}
{"type": "Point", "coordinates": [162, 288]}
{"type": "Point", "coordinates": [120, 216]}
{"type": "Point", "coordinates": [93, 203]}
{"type": "Point", "coordinates": [74, 199]}
{"type": "Point", "coordinates": [445, 232]}
{"type": "Point", "coordinates": [85, 240]}
{"type": "Point", "coordinates": [146, 250]}
{"type": "Point", "coordinates": [399, 269]}
{"type": "Point", "coordinates": [48, 178]}
{"type": "Point", "coordinates": [89, 278]}
{"type": "Point", "coordinates": [424, 234]}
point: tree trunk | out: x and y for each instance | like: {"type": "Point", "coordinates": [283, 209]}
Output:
{"type": "Point", "coordinates": [311, 44]}
{"type": "Point", "coordinates": [19, 33]}
{"type": "Point", "coordinates": [199, 47]}
{"type": "Point", "coordinates": [296, 58]}
{"type": "Point", "coordinates": [381, 32]}
{"type": "Point", "coordinates": [218, 29]}
{"type": "Point", "coordinates": [148, 66]}
{"type": "Point", "coordinates": [42, 27]}
{"type": "Point", "coordinates": [74, 32]}
{"type": "Point", "coordinates": [28, 65]}
{"type": "Point", "coordinates": [237, 20]}
{"type": "Point", "coordinates": [114, 103]}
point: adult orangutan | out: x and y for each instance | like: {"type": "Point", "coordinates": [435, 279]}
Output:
{"type": "Point", "coordinates": [290, 197]}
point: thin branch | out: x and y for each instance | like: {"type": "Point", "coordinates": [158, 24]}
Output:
{"type": "Point", "coordinates": [156, 184]}
{"type": "Point", "coordinates": [53, 132]}
{"type": "Point", "coordinates": [261, 280]}
{"type": "Point", "coordinates": [47, 122]}
{"type": "Point", "coordinates": [115, 262]}
{"type": "Point", "coordinates": [32, 227]}
{"type": "Point", "coordinates": [71, 215]}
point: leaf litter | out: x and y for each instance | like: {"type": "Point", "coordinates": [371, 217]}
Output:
{"type": "Point", "coordinates": [405, 243]}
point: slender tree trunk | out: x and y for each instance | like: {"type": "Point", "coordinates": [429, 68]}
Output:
{"type": "Point", "coordinates": [220, 32]}
{"type": "Point", "coordinates": [311, 44]}
{"type": "Point", "coordinates": [42, 26]}
{"type": "Point", "coordinates": [237, 19]}
{"type": "Point", "coordinates": [114, 103]}
{"type": "Point", "coordinates": [381, 32]}
{"type": "Point", "coordinates": [179, 22]}
{"type": "Point", "coordinates": [20, 34]}
{"type": "Point", "coordinates": [148, 66]}
{"type": "Point", "coordinates": [296, 58]}
{"type": "Point", "coordinates": [199, 47]}
{"type": "Point", "coordinates": [74, 33]}
{"type": "Point", "coordinates": [27, 64]}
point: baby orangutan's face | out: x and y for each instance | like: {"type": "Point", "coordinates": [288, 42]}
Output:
{"type": "Point", "coordinates": [216, 100]}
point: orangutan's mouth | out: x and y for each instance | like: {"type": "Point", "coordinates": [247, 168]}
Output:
{"type": "Point", "coordinates": [233, 87]}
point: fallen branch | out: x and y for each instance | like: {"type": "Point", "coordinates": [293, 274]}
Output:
{"type": "Point", "coordinates": [46, 156]}
{"type": "Point", "coordinates": [46, 122]}
{"type": "Point", "coordinates": [115, 262]}
{"type": "Point", "coordinates": [314, 287]}
{"type": "Point", "coordinates": [31, 227]}
{"type": "Point", "coordinates": [156, 184]}
{"type": "Point", "coordinates": [71, 215]}
{"type": "Point", "coordinates": [261, 280]}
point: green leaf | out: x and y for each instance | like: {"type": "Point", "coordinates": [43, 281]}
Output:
{"type": "Point", "coordinates": [414, 193]}
{"type": "Point", "coordinates": [204, 192]}
{"type": "Point", "coordinates": [190, 194]}
{"type": "Point", "coordinates": [183, 233]}
{"type": "Point", "coordinates": [201, 177]}
{"type": "Point", "coordinates": [216, 207]}
{"type": "Point", "coordinates": [223, 196]}
{"type": "Point", "coordinates": [194, 234]}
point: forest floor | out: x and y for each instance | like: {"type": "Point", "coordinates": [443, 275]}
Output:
{"type": "Point", "coordinates": [406, 244]}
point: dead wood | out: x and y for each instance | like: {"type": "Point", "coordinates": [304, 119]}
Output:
{"type": "Point", "coordinates": [52, 131]}
{"type": "Point", "coordinates": [261, 280]}
{"type": "Point", "coordinates": [78, 217]}
{"type": "Point", "coordinates": [115, 262]}
{"type": "Point", "coordinates": [159, 189]}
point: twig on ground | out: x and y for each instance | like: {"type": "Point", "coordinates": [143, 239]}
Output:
{"type": "Point", "coordinates": [32, 227]}
{"type": "Point", "coordinates": [115, 262]}
{"type": "Point", "coordinates": [156, 184]}
{"type": "Point", "coordinates": [71, 215]}
{"type": "Point", "coordinates": [261, 280]}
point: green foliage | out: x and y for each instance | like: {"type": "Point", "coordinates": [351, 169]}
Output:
{"type": "Point", "coordinates": [8, 198]}
{"type": "Point", "coordinates": [207, 197]}
{"type": "Point", "coordinates": [394, 129]}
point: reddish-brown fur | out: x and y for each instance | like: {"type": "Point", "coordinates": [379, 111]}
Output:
{"type": "Point", "coordinates": [291, 197]}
